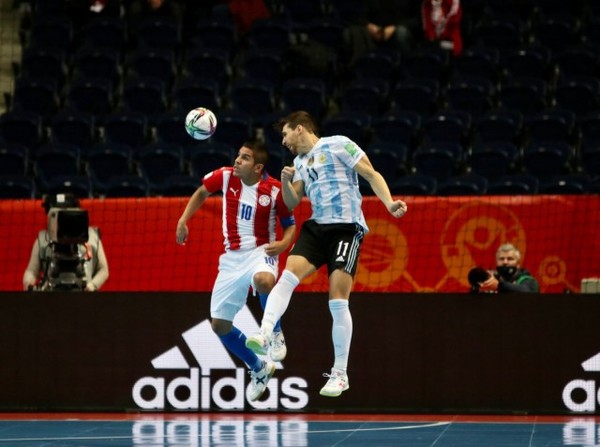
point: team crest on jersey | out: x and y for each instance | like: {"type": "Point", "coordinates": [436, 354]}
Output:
{"type": "Point", "coordinates": [311, 160]}
{"type": "Point", "coordinates": [322, 158]}
{"type": "Point", "coordinates": [264, 200]}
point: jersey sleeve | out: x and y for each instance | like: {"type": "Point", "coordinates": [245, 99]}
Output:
{"type": "Point", "coordinates": [213, 181]}
{"type": "Point", "coordinates": [348, 152]}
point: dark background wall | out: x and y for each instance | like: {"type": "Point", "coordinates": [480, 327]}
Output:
{"type": "Point", "coordinates": [410, 353]}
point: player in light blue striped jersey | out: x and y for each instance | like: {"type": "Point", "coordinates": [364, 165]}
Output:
{"type": "Point", "coordinates": [325, 170]}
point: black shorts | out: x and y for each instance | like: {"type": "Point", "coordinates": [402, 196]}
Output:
{"type": "Point", "coordinates": [337, 245]}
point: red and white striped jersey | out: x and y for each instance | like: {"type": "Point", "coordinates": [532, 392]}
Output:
{"type": "Point", "coordinates": [249, 212]}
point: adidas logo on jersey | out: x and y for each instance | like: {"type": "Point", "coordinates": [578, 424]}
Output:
{"type": "Point", "coordinates": [198, 389]}
{"type": "Point", "coordinates": [340, 259]}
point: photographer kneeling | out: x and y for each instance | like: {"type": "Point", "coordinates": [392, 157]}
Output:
{"type": "Point", "coordinates": [508, 276]}
{"type": "Point", "coordinates": [68, 255]}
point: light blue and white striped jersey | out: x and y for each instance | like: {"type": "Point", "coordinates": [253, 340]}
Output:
{"type": "Point", "coordinates": [330, 181]}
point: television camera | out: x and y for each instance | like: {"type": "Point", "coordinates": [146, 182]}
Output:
{"type": "Point", "coordinates": [66, 254]}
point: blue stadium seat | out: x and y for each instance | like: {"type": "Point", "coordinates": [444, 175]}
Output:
{"type": "Point", "coordinates": [447, 126]}
{"type": "Point", "coordinates": [305, 94]}
{"type": "Point", "coordinates": [366, 96]}
{"type": "Point", "coordinates": [189, 92]}
{"type": "Point", "coordinates": [548, 159]}
{"type": "Point", "coordinates": [14, 159]}
{"type": "Point", "coordinates": [271, 33]}
{"type": "Point", "coordinates": [78, 129]}
{"type": "Point", "coordinates": [522, 184]}
{"type": "Point", "coordinates": [17, 187]}
{"type": "Point", "coordinates": [463, 185]}
{"type": "Point", "coordinates": [525, 95]}
{"type": "Point", "coordinates": [498, 125]}
{"type": "Point", "coordinates": [125, 186]}
{"type": "Point", "coordinates": [157, 64]}
{"type": "Point", "coordinates": [53, 160]}
{"type": "Point", "coordinates": [494, 159]}
{"type": "Point", "coordinates": [146, 96]}
{"type": "Point", "coordinates": [566, 184]}
{"type": "Point", "coordinates": [36, 95]}
{"type": "Point", "coordinates": [207, 64]}
{"type": "Point", "coordinates": [106, 32]}
{"type": "Point", "coordinates": [126, 128]}
{"type": "Point", "coordinates": [91, 95]}
{"type": "Point", "coordinates": [439, 160]}
{"type": "Point", "coordinates": [98, 62]}
{"type": "Point", "coordinates": [108, 160]}
{"type": "Point", "coordinates": [156, 161]}
{"type": "Point", "coordinates": [415, 95]}
{"type": "Point", "coordinates": [78, 185]}
{"type": "Point", "coordinates": [209, 157]}
{"type": "Point", "coordinates": [414, 185]}
{"type": "Point", "coordinates": [20, 127]}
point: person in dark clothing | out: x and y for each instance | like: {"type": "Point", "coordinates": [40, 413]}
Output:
{"type": "Point", "coordinates": [509, 276]}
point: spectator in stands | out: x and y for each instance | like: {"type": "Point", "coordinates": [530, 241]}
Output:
{"type": "Point", "coordinates": [387, 24]}
{"type": "Point", "coordinates": [326, 171]}
{"type": "Point", "coordinates": [252, 202]}
{"type": "Point", "coordinates": [509, 276]}
{"type": "Point", "coordinates": [441, 24]}
{"type": "Point", "coordinates": [56, 266]}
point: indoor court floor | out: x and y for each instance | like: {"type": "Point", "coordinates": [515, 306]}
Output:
{"type": "Point", "coordinates": [293, 430]}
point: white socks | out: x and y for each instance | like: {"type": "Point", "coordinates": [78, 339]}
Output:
{"type": "Point", "coordinates": [278, 301]}
{"type": "Point", "coordinates": [341, 332]}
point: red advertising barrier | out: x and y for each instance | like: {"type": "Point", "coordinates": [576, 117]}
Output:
{"type": "Point", "coordinates": [431, 249]}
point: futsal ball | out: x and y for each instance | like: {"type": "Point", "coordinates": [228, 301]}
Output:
{"type": "Point", "coordinates": [200, 123]}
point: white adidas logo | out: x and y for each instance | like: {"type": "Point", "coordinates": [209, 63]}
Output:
{"type": "Point", "coordinates": [210, 354]}
{"type": "Point", "coordinates": [589, 388]}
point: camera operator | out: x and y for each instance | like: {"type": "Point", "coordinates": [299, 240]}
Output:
{"type": "Point", "coordinates": [508, 277]}
{"type": "Point", "coordinates": [63, 256]}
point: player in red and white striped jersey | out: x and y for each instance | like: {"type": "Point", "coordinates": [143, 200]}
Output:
{"type": "Point", "coordinates": [252, 204]}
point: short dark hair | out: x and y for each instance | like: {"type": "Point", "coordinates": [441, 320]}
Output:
{"type": "Point", "coordinates": [259, 151]}
{"type": "Point", "coordinates": [295, 119]}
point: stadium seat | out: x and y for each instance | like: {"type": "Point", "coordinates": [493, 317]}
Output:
{"type": "Point", "coordinates": [578, 61]}
{"type": "Point", "coordinates": [52, 31]}
{"type": "Point", "coordinates": [14, 159]}
{"type": "Point", "coordinates": [176, 186]}
{"type": "Point", "coordinates": [156, 161]}
{"type": "Point", "coordinates": [78, 185]}
{"type": "Point", "coordinates": [146, 96]}
{"type": "Point", "coordinates": [53, 160]}
{"type": "Point", "coordinates": [528, 62]}
{"type": "Point", "coordinates": [91, 95]}
{"type": "Point", "coordinates": [263, 65]}
{"type": "Point", "coordinates": [105, 32]}
{"type": "Point", "coordinates": [158, 32]}
{"type": "Point", "coordinates": [43, 63]}
{"type": "Point", "coordinates": [545, 160]}
{"type": "Point", "coordinates": [557, 33]}
{"type": "Point", "coordinates": [125, 186]}
{"type": "Point", "coordinates": [36, 95]}
{"type": "Point", "coordinates": [350, 125]}
{"type": "Point", "coordinates": [499, 33]}
{"type": "Point", "coordinates": [214, 34]}
{"type": "Point", "coordinates": [414, 185]}
{"type": "Point", "coordinates": [494, 159]}
{"type": "Point", "coordinates": [475, 96]}
{"type": "Point", "coordinates": [551, 125]}
{"type": "Point", "coordinates": [326, 30]}
{"type": "Point", "coordinates": [376, 65]}
{"type": "Point", "coordinates": [498, 125]}
{"type": "Point", "coordinates": [580, 95]}
{"type": "Point", "coordinates": [388, 159]}
{"type": "Point", "coordinates": [209, 157]}
{"type": "Point", "coordinates": [366, 96]}
{"type": "Point", "coordinates": [566, 184]}
{"type": "Point", "coordinates": [20, 127]}
{"type": "Point", "coordinates": [477, 64]}
{"type": "Point", "coordinates": [402, 127]}
{"type": "Point", "coordinates": [447, 126]}
{"type": "Point", "coordinates": [522, 184]}
{"type": "Point", "coordinates": [17, 187]}
{"type": "Point", "coordinates": [431, 63]}
{"type": "Point", "coordinates": [416, 95]}
{"type": "Point", "coordinates": [526, 96]}
{"type": "Point", "coordinates": [77, 129]}
{"type": "Point", "coordinates": [157, 64]}
{"type": "Point", "coordinates": [253, 97]}
{"type": "Point", "coordinates": [233, 128]}
{"type": "Point", "coordinates": [98, 62]}
{"type": "Point", "coordinates": [108, 160]}
{"type": "Point", "coordinates": [305, 94]}
{"type": "Point", "coordinates": [126, 128]}
{"type": "Point", "coordinates": [271, 33]}
{"type": "Point", "coordinates": [438, 160]}
{"type": "Point", "coordinates": [190, 91]}
{"type": "Point", "coordinates": [463, 185]}
{"type": "Point", "coordinates": [206, 64]}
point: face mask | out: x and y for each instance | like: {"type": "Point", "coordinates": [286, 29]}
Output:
{"type": "Point", "coordinates": [506, 272]}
